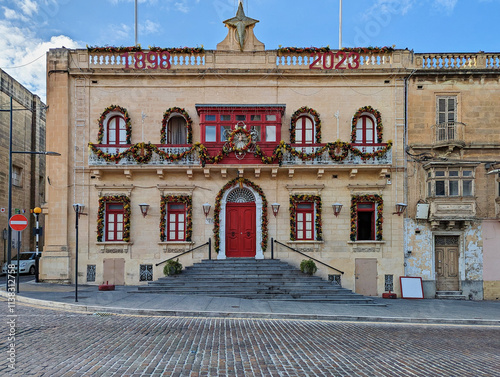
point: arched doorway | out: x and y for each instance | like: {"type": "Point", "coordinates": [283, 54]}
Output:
{"type": "Point", "coordinates": [241, 215]}
{"type": "Point", "coordinates": [240, 224]}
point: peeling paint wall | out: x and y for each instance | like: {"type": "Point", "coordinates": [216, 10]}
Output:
{"type": "Point", "coordinates": [473, 253]}
{"type": "Point", "coordinates": [419, 251]}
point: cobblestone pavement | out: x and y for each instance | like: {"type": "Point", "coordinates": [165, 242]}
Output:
{"type": "Point", "coordinates": [61, 343]}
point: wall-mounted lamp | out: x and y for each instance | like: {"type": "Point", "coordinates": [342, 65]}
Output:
{"type": "Point", "coordinates": [206, 209]}
{"type": "Point", "coordinates": [337, 207]}
{"type": "Point", "coordinates": [144, 209]}
{"type": "Point", "coordinates": [276, 208]}
{"type": "Point", "coordinates": [400, 208]}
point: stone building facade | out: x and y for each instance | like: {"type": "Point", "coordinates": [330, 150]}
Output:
{"type": "Point", "coordinates": [453, 226]}
{"type": "Point", "coordinates": [211, 140]}
{"type": "Point", "coordinates": [28, 170]}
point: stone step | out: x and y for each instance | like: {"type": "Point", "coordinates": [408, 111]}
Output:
{"type": "Point", "coordinates": [450, 295]}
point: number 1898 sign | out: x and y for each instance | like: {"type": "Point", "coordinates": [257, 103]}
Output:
{"type": "Point", "coordinates": [149, 60]}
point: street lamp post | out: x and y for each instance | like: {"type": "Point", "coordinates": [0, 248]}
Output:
{"type": "Point", "coordinates": [37, 212]}
{"type": "Point", "coordinates": [78, 211]}
{"type": "Point", "coordinates": [11, 152]}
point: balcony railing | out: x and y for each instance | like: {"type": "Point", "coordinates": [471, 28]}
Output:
{"type": "Point", "coordinates": [449, 133]}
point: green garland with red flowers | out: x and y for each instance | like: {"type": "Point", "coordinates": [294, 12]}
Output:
{"type": "Point", "coordinates": [218, 199]}
{"type": "Point", "coordinates": [302, 50]}
{"type": "Point", "coordinates": [378, 118]}
{"type": "Point", "coordinates": [303, 111]}
{"type": "Point", "coordinates": [118, 109]}
{"type": "Point", "coordinates": [166, 116]}
{"type": "Point", "coordinates": [355, 199]}
{"type": "Point", "coordinates": [126, 215]}
{"type": "Point", "coordinates": [122, 49]}
{"type": "Point", "coordinates": [364, 50]}
{"type": "Point", "coordinates": [187, 200]}
{"type": "Point", "coordinates": [294, 199]}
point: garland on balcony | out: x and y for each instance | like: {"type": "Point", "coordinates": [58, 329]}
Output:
{"type": "Point", "coordinates": [218, 200]}
{"type": "Point", "coordinates": [303, 111]}
{"type": "Point", "coordinates": [187, 200]}
{"type": "Point", "coordinates": [166, 116]}
{"type": "Point", "coordinates": [378, 118]}
{"type": "Point", "coordinates": [364, 50]}
{"type": "Point", "coordinates": [302, 50]}
{"type": "Point", "coordinates": [126, 215]}
{"type": "Point", "coordinates": [143, 152]}
{"type": "Point", "coordinates": [355, 199]}
{"type": "Point", "coordinates": [117, 109]}
{"type": "Point", "coordinates": [121, 49]}
{"type": "Point", "coordinates": [294, 199]}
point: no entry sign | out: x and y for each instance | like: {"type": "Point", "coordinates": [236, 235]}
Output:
{"type": "Point", "coordinates": [18, 222]}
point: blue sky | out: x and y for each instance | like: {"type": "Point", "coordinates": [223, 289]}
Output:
{"type": "Point", "coordinates": [28, 28]}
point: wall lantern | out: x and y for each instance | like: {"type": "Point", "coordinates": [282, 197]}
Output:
{"type": "Point", "coordinates": [276, 208]}
{"type": "Point", "coordinates": [206, 209]}
{"type": "Point", "coordinates": [144, 209]}
{"type": "Point", "coordinates": [337, 207]}
{"type": "Point", "coordinates": [400, 208]}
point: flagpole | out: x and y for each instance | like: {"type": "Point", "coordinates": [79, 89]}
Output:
{"type": "Point", "coordinates": [136, 23]}
{"type": "Point", "coordinates": [340, 25]}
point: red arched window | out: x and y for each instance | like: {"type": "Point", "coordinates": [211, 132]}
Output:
{"type": "Point", "coordinates": [366, 132]}
{"type": "Point", "coordinates": [116, 131]}
{"type": "Point", "coordinates": [304, 130]}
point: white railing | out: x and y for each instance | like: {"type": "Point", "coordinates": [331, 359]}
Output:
{"type": "Point", "coordinates": [117, 60]}
{"type": "Point", "coordinates": [323, 60]}
{"type": "Point", "coordinates": [156, 159]}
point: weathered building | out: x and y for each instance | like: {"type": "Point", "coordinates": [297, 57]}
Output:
{"type": "Point", "coordinates": [453, 226]}
{"type": "Point", "coordinates": [28, 170]}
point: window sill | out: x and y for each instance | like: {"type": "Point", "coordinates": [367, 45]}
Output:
{"type": "Point", "coordinates": [305, 242]}
{"type": "Point", "coordinates": [365, 242]}
{"type": "Point", "coordinates": [114, 247]}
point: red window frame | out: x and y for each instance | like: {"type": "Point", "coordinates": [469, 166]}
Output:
{"type": "Point", "coordinates": [362, 220]}
{"type": "Point", "coordinates": [115, 222]}
{"type": "Point", "coordinates": [362, 126]}
{"type": "Point", "coordinates": [302, 209]}
{"type": "Point", "coordinates": [117, 119]}
{"type": "Point", "coordinates": [304, 140]}
{"type": "Point", "coordinates": [176, 221]}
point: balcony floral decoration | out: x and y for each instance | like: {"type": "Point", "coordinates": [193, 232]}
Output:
{"type": "Point", "coordinates": [126, 215]}
{"type": "Point", "coordinates": [378, 118]}
{"type": "Point", "coordinates": [294, 199]}
{"type": "Point", "coordinates": [355, 199]}
{"type": "Point", "coordinates": [122, 49]}
{"type": "Point", "coordinates": [115, 109]}
{"type": "Point", "coordinates": [187, 200]}
{"type": "Point", "coordinates": [218, 199]}
{"type": "Point", "coordinates": [304, 110]}
{"type": "Point", "coordinates": [166, 117]}
{"type": "Point", "coordinates": [113, 48]}
{"type": "Point", "coordinates": [302, 50]}
{"type": "Point", "coordinates": [373, 50]}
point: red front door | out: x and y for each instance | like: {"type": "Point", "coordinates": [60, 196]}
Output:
{"type": "Point", "coordinates": [240, 230]}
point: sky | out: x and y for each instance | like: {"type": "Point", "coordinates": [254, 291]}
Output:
{"type": "Point", "coordinates": [29, 28]}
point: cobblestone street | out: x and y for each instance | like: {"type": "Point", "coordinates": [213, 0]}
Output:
{"type": "Point", "coordinates": [60, 343]}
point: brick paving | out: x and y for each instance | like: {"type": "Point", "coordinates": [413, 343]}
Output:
{"type": "Point", "coordinates": [59, 343]}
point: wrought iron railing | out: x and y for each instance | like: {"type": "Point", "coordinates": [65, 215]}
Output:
{"type": "Point", "coordinates": [209, 244]}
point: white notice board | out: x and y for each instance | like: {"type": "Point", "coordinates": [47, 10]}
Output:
{"type": "Point", "coordinates": [411, 287]}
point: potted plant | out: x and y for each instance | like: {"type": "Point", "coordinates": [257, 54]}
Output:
{"type": "Point", "coordinates": [172, 267]}
{"type": "Point", "coordinates": [308, 267]}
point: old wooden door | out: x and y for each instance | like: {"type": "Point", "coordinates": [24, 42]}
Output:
{"type": "Point", "coordinates": [114, 271]}
{"type": "Point", "coordinates": [366, 276]}
{"type": "Point", "coordinates": [447, 263]}
{"type": "Point", "coordinates": [240, 230]}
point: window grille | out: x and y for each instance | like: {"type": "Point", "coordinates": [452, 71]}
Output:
{"type": "Point", "coordinates": [90, 272]}
{"type": "Point", "coordinates": [240, 195]}
{"type": "Point", "coordinates": [335, 279]}
{"type": "Point", "coordinates": [389, 283]}
{"type": "Point", "coordinates": [146, 272]}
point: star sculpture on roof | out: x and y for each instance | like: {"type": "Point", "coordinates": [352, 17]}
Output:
{"type": "Point", "coordinates": [241, 22]}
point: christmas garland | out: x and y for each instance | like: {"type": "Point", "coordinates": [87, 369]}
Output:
{"type": "Point", "coordinates": [355, 199]}
{"type": "Point", "coordinates": [378, 117]}
{"type": "Point", "coordinates": [118, 109]}
{"type": "Point", "coordinates": [121, 49]}
{"type": "Point", "coordinates": [166, 116]}
{"type": "Point", "coordinates": [189, 214]}
{"type": "Point", "coordinates": [294, 199]}
{"type": "Point", "coordinates": [126, 215]}
{"type": "Point", "coordinates": [143, 152]}
{"type": "Point", "coordinates": [302, 50]}
{"type": "Point", "coordinates": [364, 50]}
{"type": "Point", "coordinates": [218, 200]}
{"type": "Point", "coordinates": [302, 111]}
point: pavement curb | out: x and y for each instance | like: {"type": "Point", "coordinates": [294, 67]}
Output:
{"type": "Point", "coordinates": [105, 310]}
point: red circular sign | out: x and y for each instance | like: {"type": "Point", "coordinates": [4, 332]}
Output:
{"type": "Point", "coordinates": [18, 222]}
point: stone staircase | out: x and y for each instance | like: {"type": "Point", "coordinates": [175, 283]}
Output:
{"type": "Point", "coordinates": [253, 279]}
{"type": "Point", "coordinates": [450, 295]}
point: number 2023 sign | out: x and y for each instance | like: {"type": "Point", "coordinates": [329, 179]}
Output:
{"type": "Point", "coordinates": [329, 60]}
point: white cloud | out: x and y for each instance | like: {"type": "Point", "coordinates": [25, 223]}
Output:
{"type": "Point", "coordinates": [11, 14]}
{"type": "Point", "coordinates": [149, 27]}
{"type": "Point", "coordinates": [29, 7]}
{"type": "Point", "coordinates": [23, 55]}
{"type": "Point", "coordinates": [396, 7]}
{"type": "Point", "coordinates": [446, 5]}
